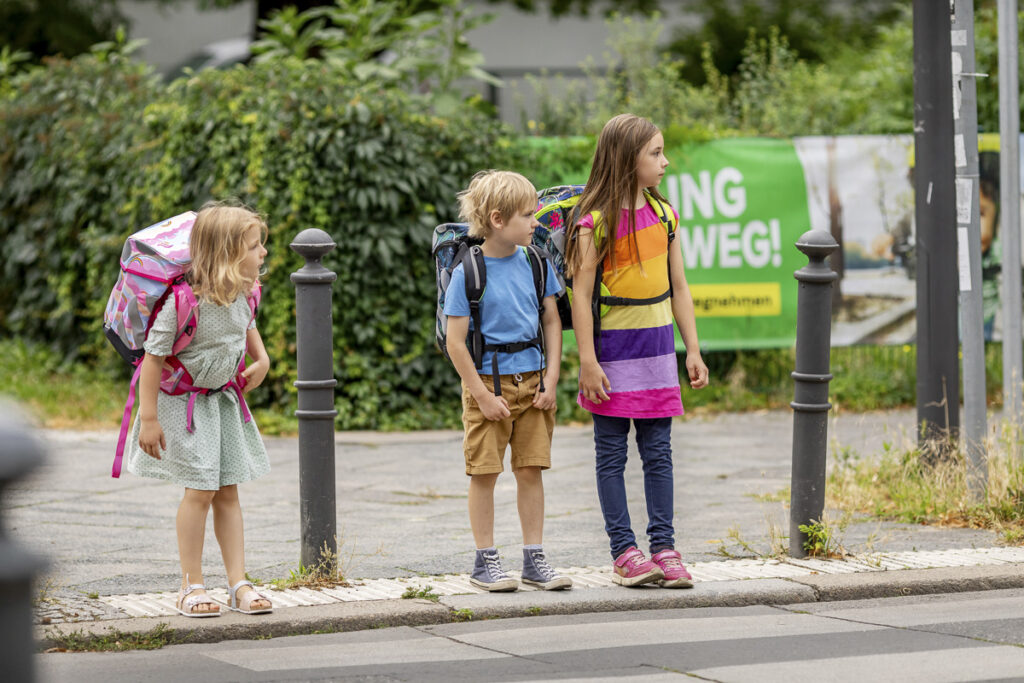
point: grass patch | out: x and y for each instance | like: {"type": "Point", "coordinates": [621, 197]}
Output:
{"type": "Point", "coordinates": [328, 572]}
{"type": "Point", "coordinates": [57, 394]}
{"type": "Point", "coordinates": [425, 593]}
{"type": "Point", "coordinates": [903, 485]}
{"type": "Point", "coordinates": [114, 640]}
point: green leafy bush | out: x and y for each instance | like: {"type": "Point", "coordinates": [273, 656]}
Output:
{"type": "Point", "coordinates": [95, 148]}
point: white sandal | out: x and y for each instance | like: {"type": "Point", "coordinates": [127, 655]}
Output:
{"type": "Point", "coordinates": [244, 603]}
{"type": "Point", "coordinates": [189, 602]}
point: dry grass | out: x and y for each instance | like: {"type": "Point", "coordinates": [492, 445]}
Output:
{"type": "Point", "coordinates": [901, 484]}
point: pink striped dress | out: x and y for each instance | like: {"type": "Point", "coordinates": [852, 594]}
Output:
{"type": "Point", "coordinates": [637, 343]}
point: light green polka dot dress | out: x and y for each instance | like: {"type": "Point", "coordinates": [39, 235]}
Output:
{"type": "Point", "coordinates": [223, 449]}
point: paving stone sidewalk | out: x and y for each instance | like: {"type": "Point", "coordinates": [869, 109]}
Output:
{"type": "Point", "coordinates": [402, 507]}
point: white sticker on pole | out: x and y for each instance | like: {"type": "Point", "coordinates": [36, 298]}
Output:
{"type": "Point", "coordinates": [964, 200]}
{"type": "Point", "coordinates": [959, 151]}
{"type": "Point", "coordinates": [958, 38]}
{"type": "Point", "coordinates": [963, 259]}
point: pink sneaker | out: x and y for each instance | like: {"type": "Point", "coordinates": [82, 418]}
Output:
{"type": "Point", "coordinates": [632, 569]}
{"type": "Point", "coordinates": [671, 565]}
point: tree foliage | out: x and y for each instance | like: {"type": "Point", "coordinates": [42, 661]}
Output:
{"type": "Point", "coordinates": [96, 147]}
{"type": "Point", "coordinates": [813, 30]}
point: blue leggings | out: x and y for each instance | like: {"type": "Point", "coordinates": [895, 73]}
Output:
{"type": "Point", "coordinates": [654, 441]}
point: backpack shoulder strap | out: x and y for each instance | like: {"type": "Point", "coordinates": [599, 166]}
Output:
{"type": "Point", "coordinates": [186, 309]}
{"type": "Point", "coordinates": [475, 275]}
{"type": "Point", "coordinates": [665, 214]}
{"type": "Point", "coordinates": [253, 298]}
{"type": "Point", "coordinates": [538, 264]}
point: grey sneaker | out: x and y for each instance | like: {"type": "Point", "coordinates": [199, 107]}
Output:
{"type": "Point", "coordinates": [537, 572]}
{"type": "Point", "coordinates": [488, 574]}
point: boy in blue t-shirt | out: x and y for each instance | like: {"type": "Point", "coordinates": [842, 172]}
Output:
{"type": "Point", "coordinates": [499, 207]}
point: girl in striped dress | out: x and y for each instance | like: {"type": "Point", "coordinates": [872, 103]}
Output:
{"type": "Point", "coordinates": [621, 241]}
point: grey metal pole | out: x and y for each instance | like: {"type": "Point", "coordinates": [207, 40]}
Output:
{"type": "Point", "coordinates": [811, 377]}
{"type": "Point", "coordinates": [972, 317]}
{"type": "Point", "coordinates": [1009, 211]}
{"type": "Point", "coordinates": [19, 454]}
{"type": "Point", "coordinates": [938, 365]}
{"type": "Point", "coordinates": [316, 412]}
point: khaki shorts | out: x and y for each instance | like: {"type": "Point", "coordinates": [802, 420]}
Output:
{"type": "Point", "coordinates": [528, 430]}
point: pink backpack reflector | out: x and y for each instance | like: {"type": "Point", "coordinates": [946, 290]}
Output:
{"type": "Point", "coordinates": [152, 261]}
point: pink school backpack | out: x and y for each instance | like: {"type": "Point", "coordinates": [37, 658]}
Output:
{"type": "Point", "coordinates": [154, 263]}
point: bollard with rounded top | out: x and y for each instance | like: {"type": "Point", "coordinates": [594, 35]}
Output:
{"type": "Point", "coordinates": [19, 453]}
{"type": "Point", "coordinates": [811, 377]}
{"type": "Point", "coordinates": [315, 357]}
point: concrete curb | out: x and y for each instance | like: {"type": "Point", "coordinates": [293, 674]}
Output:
{"type": "Point", "coordinates": [338, 617]}
{"type": "Point", "coordinates": [356, 616]}
{"type": "Point", "coordinates": [829, 588]}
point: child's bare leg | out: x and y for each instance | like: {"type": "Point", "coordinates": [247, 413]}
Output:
{"type": "Point", "coordinates": [230, 531]}
{"type": "Point", "coordinates": [530, 501]}
{"type": "Point", "coordinates": [481, 508]}
{"type": "Point", "coordinates": [191, 527]}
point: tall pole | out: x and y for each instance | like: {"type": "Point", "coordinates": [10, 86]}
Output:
{"type": "Point", "coordinates": [316, 412]}
{"type": "Point", "coordinates": [810, 378]}
{"type": "Point", "coordinates": [938, 370]}
{"type": "Point", "coordinates": [972, 318]}
{"type": "Point", "coordinates": [1009, 210]}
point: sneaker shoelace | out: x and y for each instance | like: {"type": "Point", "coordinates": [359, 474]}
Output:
{"type": "Point", "coordinates": [635, 560]}
{"type": "Point", "coordinates": [494, 570]}
{"type": "Point", "coordinates": [672, 562]}
{"type": "Point", "coordinates": [543, 568]}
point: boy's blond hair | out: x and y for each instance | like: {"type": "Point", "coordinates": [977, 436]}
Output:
{"type": "Point", "coordinates": [218, 245]}
{"type": "Point", "coordinates": [506, 192]}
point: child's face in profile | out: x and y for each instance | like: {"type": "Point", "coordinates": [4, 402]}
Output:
{"type": "Point", "coordinates": [252, 261]}
{"type": "Point", "coordinates": [518, 228]}
{"type": "Point", "coordinates": [651, 164]}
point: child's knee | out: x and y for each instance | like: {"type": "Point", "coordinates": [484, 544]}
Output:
{"type": "Point", "coordinates": [226, 495]}
{"type": "Point", "coordinates": [487, 480]}
{"type": "Point", "coordinates": [199, 496]}
{"type": "Point", "coordinates": [530, 474]}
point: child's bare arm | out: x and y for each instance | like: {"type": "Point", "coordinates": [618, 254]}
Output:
{"type": "Point", "coordinates": [593, 381]}
{"type": "Point", "coordinates": [256, 372]}
{"type": "Point", "coordinates": [151, 434]}
{"type": "Point", "coordinates": [682, 311]}
{"type": "Point", "coordinates": [493, 407]}
{"type": "Point", "coordinates": [552, 325]}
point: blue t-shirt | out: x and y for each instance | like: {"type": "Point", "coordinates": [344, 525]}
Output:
{"type": "Point", "coordinates": [508, 310]}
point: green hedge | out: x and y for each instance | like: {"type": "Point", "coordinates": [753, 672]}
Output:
{"type": "Point", "coordinates": [96, 148]}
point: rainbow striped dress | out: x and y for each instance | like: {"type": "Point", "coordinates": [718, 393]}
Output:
{"type": "Point", "coordinates": [637, 344]}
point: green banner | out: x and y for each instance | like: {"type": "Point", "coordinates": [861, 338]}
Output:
{"type": "Point", "coordinates": [742, 205]}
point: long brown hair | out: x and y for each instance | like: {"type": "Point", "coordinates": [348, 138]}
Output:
{"type": "Point", "coordinates": [613, 184]}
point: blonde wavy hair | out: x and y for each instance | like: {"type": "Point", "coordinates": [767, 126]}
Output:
{"type": "Point", "coordinates": [506, 192]}
{"type": "Point", "coordinates": [217, 245]}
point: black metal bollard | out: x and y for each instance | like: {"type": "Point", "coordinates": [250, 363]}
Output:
{"type": "Point", "coordinates": [811, 377]}
{"type": "Point", "coordinates": [316, 412]}
{"type": "Point", "coordinates": [19, 453]}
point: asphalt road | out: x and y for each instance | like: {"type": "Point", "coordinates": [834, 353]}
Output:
{"type": "Point", "coordinates": [960, 637]}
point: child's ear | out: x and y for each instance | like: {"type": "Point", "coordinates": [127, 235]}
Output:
{"type": "Point", "coordinates": [497, 220]}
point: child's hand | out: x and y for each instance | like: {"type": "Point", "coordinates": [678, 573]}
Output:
{"type": "Point", "coordinates": [151, 437]}
{"type": "Point", "coordinates": [545, 400]}
{"type": "Point", "coordinates": [254, 375]}
{"type": "Point", "coordinates": [493, 407]}
{"type": "Point", "coordinates": [594, 383]}
{"type": "Point", "coordinates": [697, 371]}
